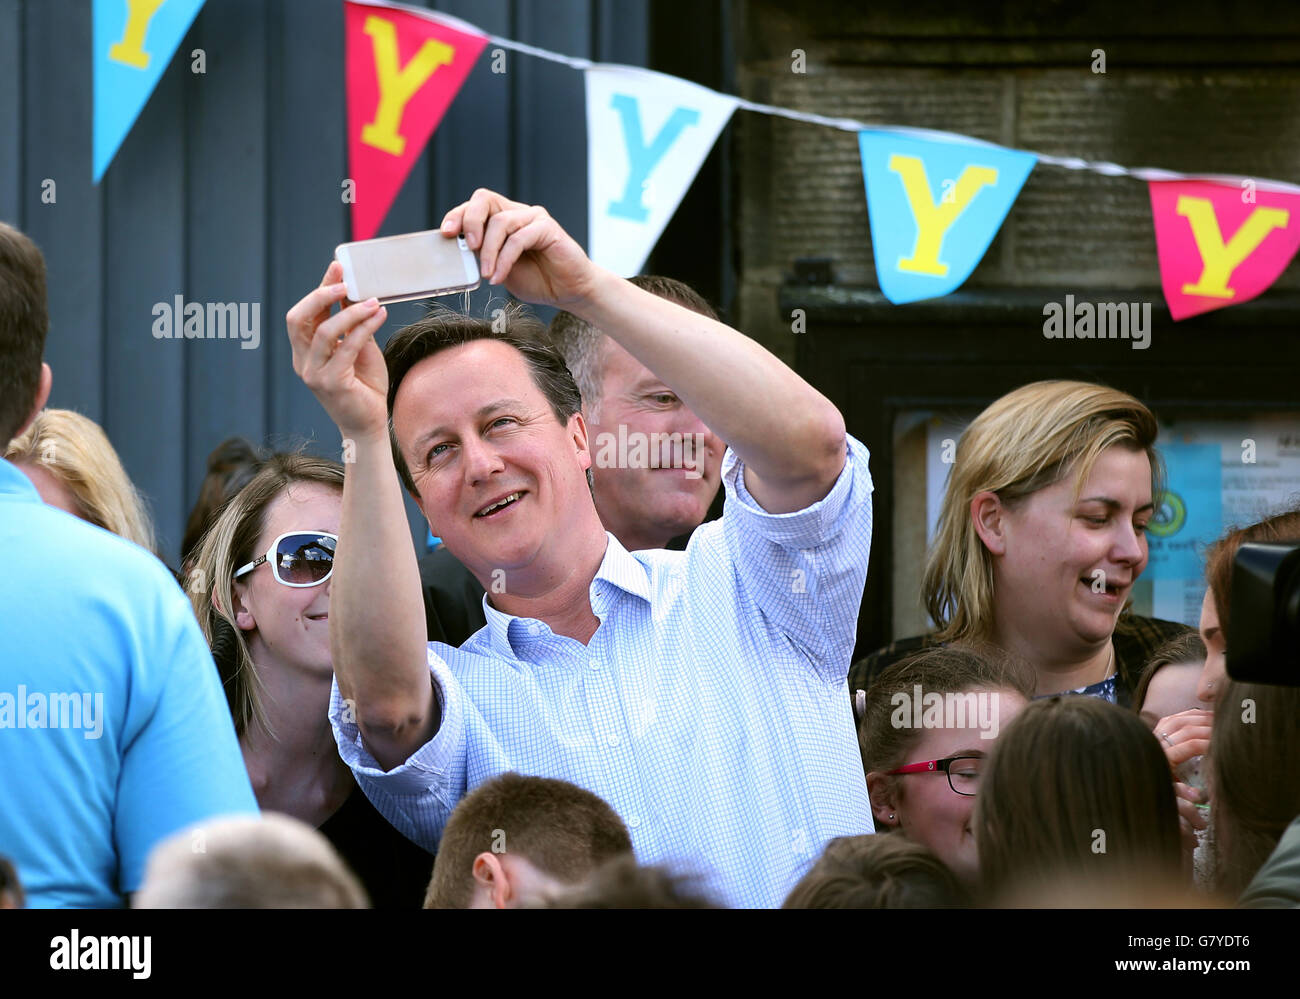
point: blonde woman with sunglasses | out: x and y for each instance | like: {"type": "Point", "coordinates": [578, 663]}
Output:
{"type": "Point", "coordinates": [262, 596]}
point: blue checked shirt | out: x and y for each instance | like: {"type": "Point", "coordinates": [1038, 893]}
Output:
{"type": "Point", "coordinates": [710, 708]}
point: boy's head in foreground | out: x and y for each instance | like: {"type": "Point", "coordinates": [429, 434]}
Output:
{"type": "Point", "coordinates": [516, 839]}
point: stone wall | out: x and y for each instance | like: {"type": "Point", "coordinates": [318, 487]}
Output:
{"type": "Point", "coordinates": [1202, 87]}
{"type": "Point", "coordinates": [1188, 86]}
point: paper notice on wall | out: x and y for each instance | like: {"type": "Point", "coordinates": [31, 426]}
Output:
{"type": "Point", "coordinates": [941, 437]}
{"type": "Point", "coordinates": [1259, 475]}
{"type": "Point", "coordinates": [1188, 517]}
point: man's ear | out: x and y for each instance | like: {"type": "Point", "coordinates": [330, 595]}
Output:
{"type": "Point", "coordinates": [42, 397]}
{"type": "Point", "coordinates": [419, 505]}
{"type": "Point", "coordinates": [989, 515]}
{"type": "Point", "coordinates": [577, 428]}
{"type": "Point", "coordinates": [884, 804]}
{"type": "Point", "coordinates": [490, 876]}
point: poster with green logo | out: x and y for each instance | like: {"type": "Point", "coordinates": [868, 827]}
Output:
{"type": "Point", "coordinates": [1188, 517]}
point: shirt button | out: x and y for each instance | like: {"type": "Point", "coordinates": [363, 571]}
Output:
{"type": "Point", "coordinates": [633, 821]}
{"type": "Point", "coordinates": [613, 740]}
{"type": "Point", "coordinates": [594, 663]}
{"type": "Point", "coordinates": [534, 628]}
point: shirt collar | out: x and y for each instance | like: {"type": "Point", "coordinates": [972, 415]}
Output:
{"type": "Point", "coordinates": [619, 569]}
{"type": "Point", "coordinates": [15, 485]}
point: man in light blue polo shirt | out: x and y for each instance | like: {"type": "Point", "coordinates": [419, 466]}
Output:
{"type": "Point", "coordinates": [701, 693]}
{"type": "Point", "coordinates": [114, 732]}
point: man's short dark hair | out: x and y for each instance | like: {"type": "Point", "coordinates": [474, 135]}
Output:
{"type": "Point", "coordinates": [564, 831]}
{"type": "Point", "coordinates": [582, 344]}
{"type": "Point", "coordinates": [880, 871]}
{"type": "Point", "coordinates": [624, 884]}
{"type": "Point", "coordinates": [24, 321]}
{"type": "Point", "coordinates": [442, 329]}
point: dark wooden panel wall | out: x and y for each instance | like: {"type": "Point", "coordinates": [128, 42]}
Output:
{"type": "Point", "coordinates": [228, 189]}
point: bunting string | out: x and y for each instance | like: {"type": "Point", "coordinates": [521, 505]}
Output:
{"type": "Point", "coordinates": [1103, 167]}
{"type": "Point", "coordinates": [935, 199]}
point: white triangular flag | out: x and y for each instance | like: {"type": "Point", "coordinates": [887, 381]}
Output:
{"type": "Point", "coordinates": [647, 135]}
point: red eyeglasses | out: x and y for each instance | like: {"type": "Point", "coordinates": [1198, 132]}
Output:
{"type": "Point", "coordinates": [963, 771]}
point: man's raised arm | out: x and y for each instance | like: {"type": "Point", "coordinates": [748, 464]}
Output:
{"type": "Point", "coordinates": [790, 437]}
{"type": "Point", "coordinates": [377, 625]}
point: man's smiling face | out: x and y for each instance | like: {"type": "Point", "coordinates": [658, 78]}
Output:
{"type": "Point", "coordinates": [648, 506]}
{"type": "Point", "coordinates": [501, 480]}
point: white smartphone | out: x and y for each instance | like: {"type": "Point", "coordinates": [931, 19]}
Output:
{"type": "Point", "coordinates": [402, 268]}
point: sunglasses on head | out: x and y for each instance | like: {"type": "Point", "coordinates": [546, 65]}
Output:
{"type": "Point", "coordinates": [298, 558]}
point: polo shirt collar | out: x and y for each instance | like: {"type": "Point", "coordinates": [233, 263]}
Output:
{"type": "Point", "coordinates": [15, 485]}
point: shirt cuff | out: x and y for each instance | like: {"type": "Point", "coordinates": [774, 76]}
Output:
{"type": "Point", "coordinates": [814, 525]}
{"type": "Point", "coordinates": [430, 766]}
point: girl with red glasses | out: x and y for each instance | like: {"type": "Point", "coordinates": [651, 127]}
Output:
{"type": "Point", "coordinates": [928, 725]}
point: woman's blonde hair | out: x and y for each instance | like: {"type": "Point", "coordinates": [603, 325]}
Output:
{"type": "Point", "coordinates": [229, 544]}
{"type": "Point", "coordinates": [74, 449]}
{"type": "Point", "coordinates": [1027, 440]}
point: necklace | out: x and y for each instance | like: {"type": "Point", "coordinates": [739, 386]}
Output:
{"type": "Point", "coordinates": [1110, 664]}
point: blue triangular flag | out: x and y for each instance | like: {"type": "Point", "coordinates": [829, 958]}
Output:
{"type": "Point", "coordinates": [935, 205]}
{"type": "Point", "coordinates": [134, 42]}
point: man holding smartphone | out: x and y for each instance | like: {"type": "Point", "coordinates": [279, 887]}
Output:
{"type": "Point", "coordinates": [701, 693]}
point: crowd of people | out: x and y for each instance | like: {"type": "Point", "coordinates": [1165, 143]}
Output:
{"type": "Point", "coordinates": [613, 683]}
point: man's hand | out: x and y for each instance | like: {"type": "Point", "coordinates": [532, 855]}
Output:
{"type": "Point", "coordinates": [524, 247]}
{"type": "Point", "coordinates": [337, 357]}
{"type": "Point", "coordinates": [790, 437]}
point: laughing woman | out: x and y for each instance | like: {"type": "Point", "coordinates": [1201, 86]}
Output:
{"type": "Point", "coordinates": [268, 560]}
{"type": "Point", "coordinates": [1042, 535]}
